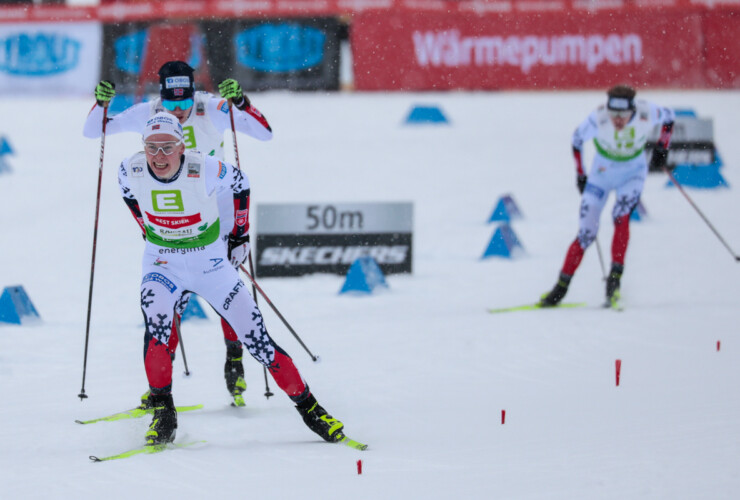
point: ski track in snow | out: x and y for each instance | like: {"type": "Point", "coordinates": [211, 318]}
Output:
{"type": "Point", "coordinates": [420, 372]}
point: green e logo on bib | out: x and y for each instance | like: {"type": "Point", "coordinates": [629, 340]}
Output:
{"type": "Point", "coordinates": [167, 201]}
{"type": "Point", "coordinates": [189, 137]}
{"type": "Point", "coordinates": [625, 139]}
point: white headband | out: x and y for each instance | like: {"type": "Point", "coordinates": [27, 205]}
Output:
{"type": "Point", "coordinates": [620, 103]}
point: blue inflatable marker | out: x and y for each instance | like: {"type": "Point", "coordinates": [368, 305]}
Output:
{"type": "Point", "coordinates": [504, 243]}
{"type": "Point", "coordinates": [425, 115]}
{"type": "Point", "coordinates": [700, 176]}
{"type": "Point", "coordinates": [363, 277]}
{"type": "Point", "coordinates": [5, 148]}
{"type": "Point", "coordinates": [193, 310]}
{"type": "Point", "coordinates": [15, 306]}
{"type": "Point", "coordinates": [638, 213]}
{"type": "Point", "coordinates": [505, 210]}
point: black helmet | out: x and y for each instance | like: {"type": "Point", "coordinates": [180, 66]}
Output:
{"type": "Point", "coordinates": [176, 81]}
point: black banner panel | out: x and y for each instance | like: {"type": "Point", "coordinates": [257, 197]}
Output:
{"type": "Point", "coordinates": [262, 54]}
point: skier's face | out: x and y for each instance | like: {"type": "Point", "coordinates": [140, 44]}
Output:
{"type": "Point", "coordinates": [620, 119]}
{"type": "Point", "coordinates": [181, 114]}
{"type": "Point", "coordinates": [156, 148]}
{"type": "Point", "coordinates": [180, 108]}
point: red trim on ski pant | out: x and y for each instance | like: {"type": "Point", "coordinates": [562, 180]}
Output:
{"type": "Point", "coordinates": [174, 335]}
{"type": "Point", "coordinates": [573, 258]}
{"type": "Point", "coordinates": [621, 238]}
{"type": "Point", "coordinates": [158, 365]}
{"type": "Point", "coordinates": [229, 333]}
{"type": "Point", "coordinates": [286, 375]}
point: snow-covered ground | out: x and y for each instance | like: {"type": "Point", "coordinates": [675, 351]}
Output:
{"type": "Point", "coordinates": [420, 372]}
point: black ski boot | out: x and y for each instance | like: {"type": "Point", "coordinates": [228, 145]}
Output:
{"type": "Point", "coordinates": [164, 423]}
{"type": "Point", "coordinates": [234, 374]}
{"type": "Point", "coordinates": [316, 418]}
{"type": "Point", "coordinates": [612, 283]}
{"type": "Point", "coordinates": [555, 295]}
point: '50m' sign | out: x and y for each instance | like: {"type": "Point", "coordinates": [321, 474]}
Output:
{"type": "Point", "coordinates": [296, 239]}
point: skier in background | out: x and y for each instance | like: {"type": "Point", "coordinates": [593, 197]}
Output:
{"type": "Point", "coordinates": [204, 118]}
{"type": "Point", "coordinates": [175, 197]}
{"type": "Point", "coordinates": [619, 129]}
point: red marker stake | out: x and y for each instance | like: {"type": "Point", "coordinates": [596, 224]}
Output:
{"type": "Point", "coordinates": [503, 417]}
{"type": "Point", "coordinates": [359, 466]}
{"type": "Point", "coordinates": [718, 346]}
{"type": "Point", "coordinates": [618, 366]}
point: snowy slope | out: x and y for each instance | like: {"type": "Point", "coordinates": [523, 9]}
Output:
{"type": "Point", "coordinates": [421, 372]}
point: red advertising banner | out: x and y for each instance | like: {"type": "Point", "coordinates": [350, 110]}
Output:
{"type": "Point", "coordinates": [428, 51]}
{"type": "Point", "coordinates": [138, 10]}
{"type": "Point", "coordinates": [722, 41]}
{"type": "Point", "coordinates": [473, 44]}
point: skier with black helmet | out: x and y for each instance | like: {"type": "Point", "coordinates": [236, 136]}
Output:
{"type": "Point", "coordinates": [204, 118]}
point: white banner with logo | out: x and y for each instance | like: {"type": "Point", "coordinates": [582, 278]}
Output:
{"type": "Point", "coordinates": [50, 58]}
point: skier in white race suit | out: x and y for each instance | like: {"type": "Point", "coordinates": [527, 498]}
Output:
{"type": "Point", "coordinates": [619, 129]}
{"type": "Point", "coordinates": [204, 119]}
{"type": "Point", "coordinates": [175, 196]}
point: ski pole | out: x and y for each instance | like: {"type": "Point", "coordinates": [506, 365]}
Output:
{"type": "Point", "coordinates": [285, 322]}
{"type": "Point", "coordinates": [182, 345]}
{"type": "Point", "coordinates": [601, 258]}
{"type": "Point", "coordinates": [82, 394]}
{"type": "Point", "coordinates": [254, 292]}
{"type": "Point", "coordinates": [691, 202]}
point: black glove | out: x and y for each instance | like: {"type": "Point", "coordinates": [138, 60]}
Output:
{"type": "Point", "coordinates": [104, 92]}
{"type": "Point", "coordinates": [659, 159]}
{"type": "Point", "coordinates": [581, 181]}
{"type": "Point", "coordinates": [236, 241]}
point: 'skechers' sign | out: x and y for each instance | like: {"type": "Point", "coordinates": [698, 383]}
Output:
{"type": "Point", "coordinates": [296, 239]}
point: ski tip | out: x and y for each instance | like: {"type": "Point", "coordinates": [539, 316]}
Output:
{"type": "Point", "coordinates": [79, 422]}
{"type": "Point", "coordinates": [95, 459]}
{"type": "Point", "coordinates": [354, 444]}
